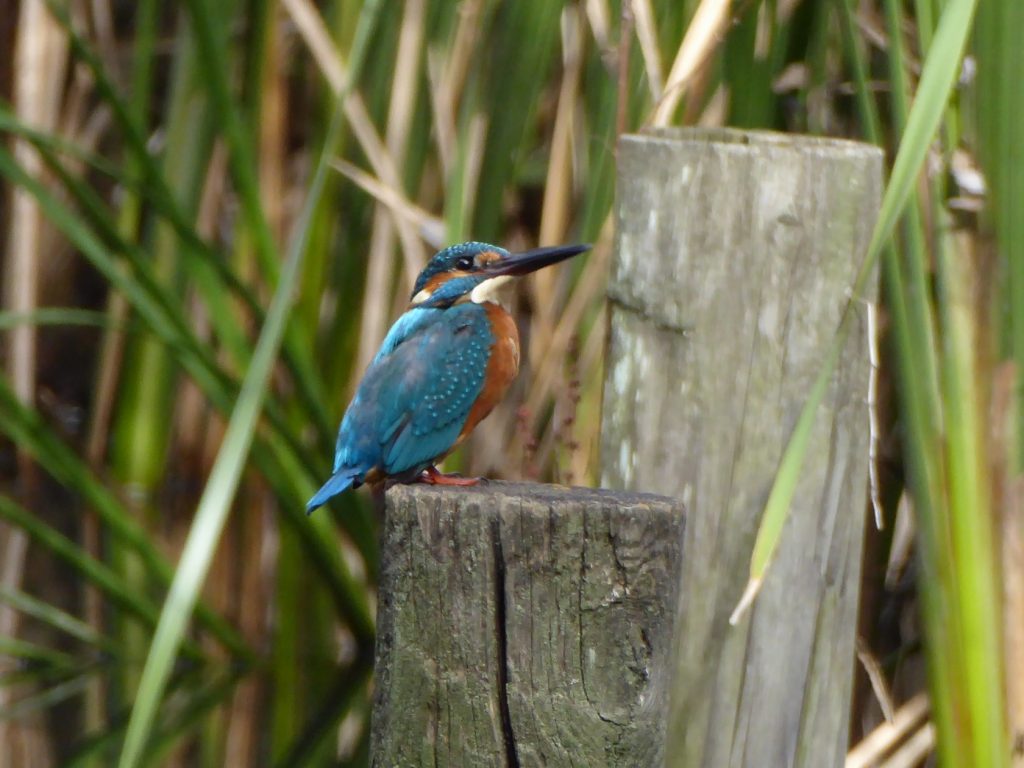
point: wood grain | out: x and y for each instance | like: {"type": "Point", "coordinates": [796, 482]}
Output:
{"type": "Point", "coordinates": [735, 254]}
{"type": "Point", "coordinates": [525, 625]}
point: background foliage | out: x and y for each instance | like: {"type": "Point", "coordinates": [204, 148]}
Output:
{"type": "Point", "coordinates": [212, 212]}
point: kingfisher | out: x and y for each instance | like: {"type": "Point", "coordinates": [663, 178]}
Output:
{"type": "Point", "coordinates": [444, 364]}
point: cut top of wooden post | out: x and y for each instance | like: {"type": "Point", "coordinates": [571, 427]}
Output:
{"type": "Point", "coordinates": [524, 624]}
{"type": "Point", "coordinates": [742, 198]}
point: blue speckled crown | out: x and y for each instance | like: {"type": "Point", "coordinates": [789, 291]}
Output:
{"type": "Point", "coordinates": [444, 261]}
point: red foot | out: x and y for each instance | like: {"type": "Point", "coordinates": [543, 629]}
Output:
{"type": "Point", "coordinates": [431, 476]}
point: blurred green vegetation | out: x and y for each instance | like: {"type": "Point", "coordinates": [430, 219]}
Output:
{"type": "Point", "coordinates": [213, 211]}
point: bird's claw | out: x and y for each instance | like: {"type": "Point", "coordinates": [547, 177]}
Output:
{"type": "Point", "coordinates": [431, 476]}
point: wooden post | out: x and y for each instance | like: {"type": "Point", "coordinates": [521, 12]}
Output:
{"type": "Point", "coordinates": [525, 625]}
{"type": "Point", "coordinates": [736, 252]}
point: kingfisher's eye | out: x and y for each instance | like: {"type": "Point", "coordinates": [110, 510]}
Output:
{"type": "Point", "coordinates": [464, 263]}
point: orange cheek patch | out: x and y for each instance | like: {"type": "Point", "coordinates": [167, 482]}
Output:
{"type": "Point", "coordinates": [435, 282]}
{"type": "Point", "coordinates": [443, 277]}
{"type": "Point", "coordinates": [488, 257]}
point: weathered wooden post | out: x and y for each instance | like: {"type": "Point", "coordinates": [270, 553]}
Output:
{"type": "Point", "coordinates": [736, 252]}
{"type": "Point", "coordinates": [525, 625]}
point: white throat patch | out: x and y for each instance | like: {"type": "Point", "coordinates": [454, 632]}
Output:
{"type": "Point", "coordinates": [491, 290]}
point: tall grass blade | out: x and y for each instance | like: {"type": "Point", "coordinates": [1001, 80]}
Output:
{"type": "Point", "coordinates": [111, 583]}
{"type": "Point", "coordinates": [62, 316]}
{"type": "Point", "coordinates": [33, 653]}
{"type": "Point", "coordinates": [48, 698]}
{"type": "Point", "coordinates": [973, 592]}
{"type": "Point", "coordinates": [166, 320]}
{"type": "Point", "coordinates": [215, 503]}
{"type": "Point", "coordinates": [938, 79]}
{"type": "Point", "coordinates": [999, 112]}
{"type": "Point", "coordinates": [58, 619]}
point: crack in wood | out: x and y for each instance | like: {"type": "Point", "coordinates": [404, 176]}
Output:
{"type": "Point", "coordinates": [501, 633]}
{"type": "Point", "coordinates": [622, 299]}
{"type": "Point", "coordinates": [500, 593]}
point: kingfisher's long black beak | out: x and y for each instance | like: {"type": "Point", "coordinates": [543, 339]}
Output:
{"type": "Point", "coordinates": [530, 261]}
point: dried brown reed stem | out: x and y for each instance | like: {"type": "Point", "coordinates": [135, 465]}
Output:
{"type": "Point", "coordinates": [408, 62]}
{"type": "Point", "coordinates": [585, 295]}
{"type": "Point", "coordinates": [311, 27]}
{"type": "Point", "coordinates": [447, 75]}
{"type": "Point", "coordinates": [39, 66]}
{"type": "Point", "coordinates": [429, 228]}
{"type": "Point", "coordinates": [558, 187]}
{"type": "Point", "coordinates": [703, 36]}
{"type": "Point", "coordinates": [1009, 498]}
{"type": "Point", "coordinates": [647, 35]}
{"type": "Point", "coordinates": [906, 725]}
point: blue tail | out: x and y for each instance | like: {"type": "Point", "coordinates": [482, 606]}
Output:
{"type": "Point", "coordinates": [340, 481]}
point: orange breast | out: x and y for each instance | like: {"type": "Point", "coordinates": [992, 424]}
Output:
{"type": "Point", "coordinates": [502, 367]}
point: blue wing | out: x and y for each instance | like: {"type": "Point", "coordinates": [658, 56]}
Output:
{"type": "Point", "coordinates": [414, 399]}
